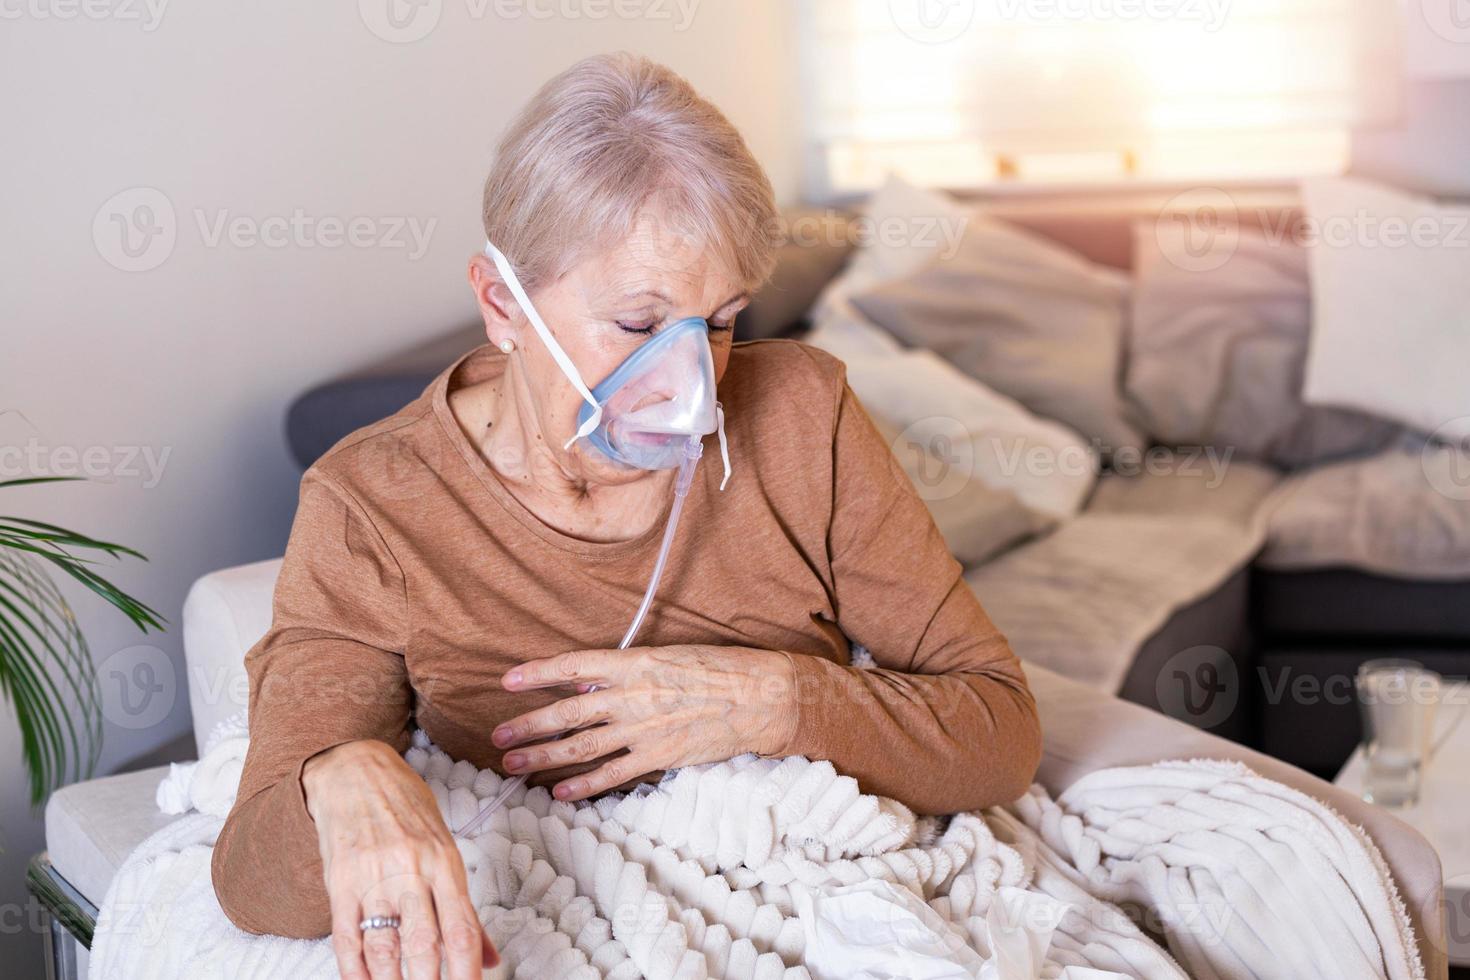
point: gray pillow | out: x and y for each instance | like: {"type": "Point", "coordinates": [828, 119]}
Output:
{"type": "Point", "coordinates": [1216, 354]}
{"type": "Point", "coordinates": [1026, 317]}
{"type": "Point", "coordinates": [1403, 512]}
{"type": "Point", "coordinates": [815, 247]}
{"type": "Point", "coordinates": [980, 521]}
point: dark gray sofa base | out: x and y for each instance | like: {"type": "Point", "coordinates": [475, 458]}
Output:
{"type": "Point", "coordinates": [1307, 704]}
{"type": "Point", "coordinates": [1268, 659]}
{"type": "Point", "coordinates": [1192, 668]}
{"type": "Point", "coordinates": [1344, 602]}
{"type": "Point", "coordinates": [1318, 627]}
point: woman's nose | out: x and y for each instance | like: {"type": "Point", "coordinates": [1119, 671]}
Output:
{"type": "Point", "coordinates": [654, 398]}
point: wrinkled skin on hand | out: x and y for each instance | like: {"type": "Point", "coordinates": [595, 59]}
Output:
{"type": "Point", "coordinates": [386, 852]}
{"type": "Point", "coordinates": [665, 707]}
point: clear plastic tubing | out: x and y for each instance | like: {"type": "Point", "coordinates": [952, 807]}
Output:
{"type": "Point", "coordinates": [685, 478]}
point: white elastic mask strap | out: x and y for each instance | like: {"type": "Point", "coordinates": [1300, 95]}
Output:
{"type": "Point", "coordinates": [558, 355]}
{"type": "Point", "coordinates": [724, 444]}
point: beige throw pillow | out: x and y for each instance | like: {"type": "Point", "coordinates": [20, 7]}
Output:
{"type": "Point", "coordinates": [978, 521]}
{"type": "Point", "coordinates": [1026, 317]}
{"type": "Point", "coordinates": [1216, 355]}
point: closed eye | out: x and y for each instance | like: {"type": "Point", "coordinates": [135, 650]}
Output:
{"type": "Point", "coordinates": [643, 329]}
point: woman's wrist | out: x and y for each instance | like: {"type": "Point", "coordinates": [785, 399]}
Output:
{"type": "Point", "coordinates": [778, 706]}
{"type": "Point", "coordinates": [320, 771]}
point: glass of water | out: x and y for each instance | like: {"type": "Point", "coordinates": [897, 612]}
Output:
{"type": "Point", "coordinates": [1398, 699]}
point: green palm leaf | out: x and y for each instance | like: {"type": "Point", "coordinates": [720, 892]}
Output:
{"type": "Point", "coordinates": [46, 668]}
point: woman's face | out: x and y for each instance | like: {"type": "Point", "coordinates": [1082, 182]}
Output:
{"type": "Point", "coordinates": [601, 311]}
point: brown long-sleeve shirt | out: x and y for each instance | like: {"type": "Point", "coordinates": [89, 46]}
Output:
{"type": "Point", "coordinates": [413, 581]}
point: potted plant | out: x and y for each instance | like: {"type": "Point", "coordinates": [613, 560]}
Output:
{"type": "Point", "coordinates": [46, 668]}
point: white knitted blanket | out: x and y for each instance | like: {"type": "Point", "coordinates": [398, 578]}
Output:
{"type": "Point", "coordinates": [767, 869]}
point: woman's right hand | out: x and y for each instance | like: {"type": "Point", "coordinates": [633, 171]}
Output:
{"type": "Point", "coordinates": [386, 851]}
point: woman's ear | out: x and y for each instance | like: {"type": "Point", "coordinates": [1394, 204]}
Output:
{"type": "Point", "coordinates": [497, 306]}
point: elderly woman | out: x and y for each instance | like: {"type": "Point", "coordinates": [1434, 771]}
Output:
{"type": "Point", "coordinates": [466, 565]}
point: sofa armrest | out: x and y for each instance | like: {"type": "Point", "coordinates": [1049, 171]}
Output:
{"type": "Point", "coordinates": [225, 613]}
{"type": "Point", "coordinates": [92, 827]}
{"type": "Point", "coordinates": [1084, 730]}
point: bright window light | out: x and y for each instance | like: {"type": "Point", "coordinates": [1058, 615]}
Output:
{"type": "Point", "coordinates": [967, 93]}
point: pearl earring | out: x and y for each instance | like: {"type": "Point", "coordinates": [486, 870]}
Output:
{"type": "Point", "coordinates": [507, 345]}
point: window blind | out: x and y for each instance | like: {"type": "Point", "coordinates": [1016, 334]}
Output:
{"type": "Point", "coordinates": [970, 92]}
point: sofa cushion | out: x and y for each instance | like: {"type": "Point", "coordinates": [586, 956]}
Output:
{"type": "Point", "coordinates": [990, 437]}
{"type": "Point", "coordinates": [1216, 353]}
{"type": "Point", "coordinates": [1026, 317]}
{"type": "Point", "coordinates": [1404, 512]}
{"type": "Point", "coordinates": [92, 827]}
{"type": "Point", "coordinates": [1090, 598]}
{"type": "Point", "coordinates": [1084, 599]}
{"type": "Point", "coordinates": [977, 521]}
{"type": "Point", "coordinates": [1186, 483]}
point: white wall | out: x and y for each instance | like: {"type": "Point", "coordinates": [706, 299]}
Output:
{"type": "Point", "coordinates": [1428, 148]}
{"type": "Point", "coordinates": [252, 109]}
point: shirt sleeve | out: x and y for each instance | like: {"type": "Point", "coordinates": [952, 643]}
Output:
{"type": "Point", "coordinates": [945, 722]}
{"type": "Point", "coordinates": [329, 671]}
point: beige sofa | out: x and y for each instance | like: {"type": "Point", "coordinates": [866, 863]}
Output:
{"type": "Point", "coordinates": [91, 826]}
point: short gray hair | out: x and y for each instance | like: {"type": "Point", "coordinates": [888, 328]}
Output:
{"type": "Point", "coordinates": [601, 143]}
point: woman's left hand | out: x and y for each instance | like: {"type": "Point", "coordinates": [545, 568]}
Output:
{"type": "Point", "coordinates": [667, 706]}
